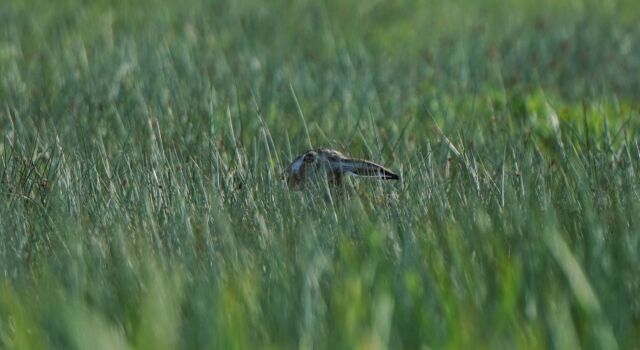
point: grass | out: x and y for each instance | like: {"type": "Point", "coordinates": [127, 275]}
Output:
{"type": "Point", "coordinates": [142, 144]}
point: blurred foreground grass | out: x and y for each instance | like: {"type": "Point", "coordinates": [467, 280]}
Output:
{"type": "Point", "coordinates": [142, 143]}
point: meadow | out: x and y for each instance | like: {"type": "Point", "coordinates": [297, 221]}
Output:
{"type": "Point", "coordinates": [143, 141]}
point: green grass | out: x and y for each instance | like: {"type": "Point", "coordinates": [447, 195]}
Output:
{"type": "Point", "coordinates": [142, 144]}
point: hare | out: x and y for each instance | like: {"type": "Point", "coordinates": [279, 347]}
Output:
{"type": "Point", "coordinates": [334, 165]}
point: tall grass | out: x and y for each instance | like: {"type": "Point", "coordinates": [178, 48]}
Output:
{"type": "Point", "coordinates": [143, 142]}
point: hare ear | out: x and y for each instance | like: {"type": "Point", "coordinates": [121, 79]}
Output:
{"type": "Point", "coordinates": [365, 168]}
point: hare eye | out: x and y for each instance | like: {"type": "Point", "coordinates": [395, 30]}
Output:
{"type": "Point", "coordinates": [309, 157]}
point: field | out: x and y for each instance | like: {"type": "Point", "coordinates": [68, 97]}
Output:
{"type": "Point", "coordinates": [143, 142]}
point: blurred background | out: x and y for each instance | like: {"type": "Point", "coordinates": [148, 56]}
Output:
{"type": "Point", "coordinates": [80, 69]}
